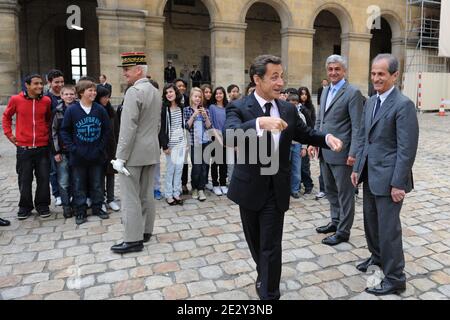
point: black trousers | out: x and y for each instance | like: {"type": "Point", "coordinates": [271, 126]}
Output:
{"type": "Point", "coordinates": [263, 231]}
{"type": "Point", "coordinates": [37, 162]}
{"type": "Point", "coordinates": [184, 176]}
{"type": "Point", "coordinates": [306, 173]}
{"type": "Point", "coordinates": [219, 168]}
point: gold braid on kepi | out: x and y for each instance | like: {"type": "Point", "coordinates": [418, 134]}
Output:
{"type": "Point", "coordinates": [130, 59]}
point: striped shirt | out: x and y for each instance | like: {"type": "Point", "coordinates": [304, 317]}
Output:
{"type": "Point", "coordinates": [176, 133]}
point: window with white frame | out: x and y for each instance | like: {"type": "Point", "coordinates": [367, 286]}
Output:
{"type": "Point", "coordinates": [78, 62]}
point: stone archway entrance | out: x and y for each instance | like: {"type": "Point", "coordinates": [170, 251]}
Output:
{"type": "Point", "coordinates": [187, 38]}
{"type": "Point", "coordinates": [46, 42]}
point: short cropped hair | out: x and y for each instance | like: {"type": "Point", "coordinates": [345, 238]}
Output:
{"type": "Point", "coordinates": [67, 87]}
{"type": "Point", "coordinates": [391, 59]}
{"type": "Point", "coordinates": [31, 77]}
{"type": "Point", "coordinates": [53, 74]}
{"type": "Point", "coordinates": [335, 58]}
{"type": "Point", "coordinates": [83, 85]}
{"type": "Point", "coordinates": [259, 65]}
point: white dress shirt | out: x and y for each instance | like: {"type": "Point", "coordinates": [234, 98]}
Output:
{"type": "Point", "coordinates": [383, 97]}
{"type": "Point", "coordinates": [274, 113]}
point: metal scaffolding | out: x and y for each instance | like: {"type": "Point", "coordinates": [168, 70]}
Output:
{"type": "Point", "coordinates": [422, 37]}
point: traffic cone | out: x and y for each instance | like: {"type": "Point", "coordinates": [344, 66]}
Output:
{"type": "Point", "coordinates": [442, 109]}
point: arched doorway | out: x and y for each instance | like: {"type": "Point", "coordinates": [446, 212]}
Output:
{"type": "Point", "coordinates": [381, 42]}
{"type": "Point", "coordinates": [262, 35]}
{"type": "Point", "coordinates": [327, 41]}
{"type": "Point", "coordinates": [47, 43]}
{"type": "Point", "coordinates": [187, 39]}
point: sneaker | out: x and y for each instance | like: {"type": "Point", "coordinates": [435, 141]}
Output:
{"type": "Point", "coordinates": [113, 206]}
{"type": "Point", "coordinates": [80, 218]}
{"type": "Point", "coordinates": [58, 201]}
{"type": "Point", "coordinates": [320, 195]}
{"type": "Point", "coordinates": [209, 186]}
{"type": "Point", "coordinates": [194, 194]}
{"type": "Point", "coordinates": [295, 195]}
{"type": "Point", "coordinates": [224, 189]}
{"type": "Point", "coordinates": [44, 213]}
{"type": "Point", "coordinates": [217, 191]}
{"type": "Point", "coordinates": [67, 212]}
{"type": "Point", "coordinates": [88, 202]}
{"type": "Point", "coordinates": [22, 215]}
{"type": "Point", "coordinates": [157, 195]}
{"type": "Point", "coordinates": [201, 195]}
{"type": "Point", "coordinates": [101, 213]}
{"type": "Point", "coordinates": [104, 208]}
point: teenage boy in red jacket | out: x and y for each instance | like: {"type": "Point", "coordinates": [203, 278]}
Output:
{"type": "Point", "coordinates": [31, 139]}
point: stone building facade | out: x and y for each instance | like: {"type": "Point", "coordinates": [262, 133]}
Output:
{"type": "Point", "coordinates": [221, 36]}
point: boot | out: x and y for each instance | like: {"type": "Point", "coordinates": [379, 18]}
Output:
{"type": "Point", "coordinates": [67, 212]}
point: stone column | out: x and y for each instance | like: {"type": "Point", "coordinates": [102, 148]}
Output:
{"type": "Point", "coordinates": [108, 29]}
{"type": "Point", "coordinates": [9, 50]}
{"type": "Point", "coordinates": [297, 56]}
{"type": "Point", "coordinates": [356, 48]}
{"type": "Point", "coordinates": [398, 50]}
{"type": "Point", "coordinates": [154, 32]}
{"type": "Point", "coordinates": [228, 54]}
{"type": "Point", "coordinates": [119, 31]}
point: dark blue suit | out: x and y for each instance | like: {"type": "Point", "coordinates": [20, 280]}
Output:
{"type": "Point", "coordinates": [263, 199]}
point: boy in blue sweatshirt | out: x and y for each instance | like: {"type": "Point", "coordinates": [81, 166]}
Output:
{"type": "Point", "coordinates": [85, 131]}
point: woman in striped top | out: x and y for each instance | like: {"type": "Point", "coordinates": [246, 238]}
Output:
{"type": "Point", "coordinates": [173, 142]}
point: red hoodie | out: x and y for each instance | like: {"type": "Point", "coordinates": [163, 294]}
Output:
{"type": "Point", "coordinates": [32, 120]}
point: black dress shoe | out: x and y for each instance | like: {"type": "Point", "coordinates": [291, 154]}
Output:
{"type": "Point", "coordinates": [386, 288]}
{"type": "Point", "coordinates": [147, 237]}
{"type": "Point", "coordinates": [101, 214]}
{"type": "Point", "coordinates": [80, 218]}
{"type": "Point", "coordinates": [363, 266]}
{"type": "Point", "coordinates": [4, 223]}
{"type": "Point", "coordinates": [126, 247]}
{"type": "Point", "coordinates": [327, 229]}
{"type": "Point", "coordinates": [334, 240]}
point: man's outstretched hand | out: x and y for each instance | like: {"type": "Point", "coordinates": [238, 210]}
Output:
{"type": "Point", "coordinates": [272, 124]}
{"type": "Point", "coordinates": [119, 166]}
{"type": "Point", "coordinates": [334, 143]}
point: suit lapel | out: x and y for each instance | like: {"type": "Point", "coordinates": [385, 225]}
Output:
{"type": "Point", "coordinates": [337, 95]}
{"type": "Point", "coordinates": [254, 107]}
{"type": "Point", "coordinates": [385, 107]}
{"type": "Point", "coordinates": [283, 115]}
{"type": "Point", "coordinates": [323, 103]}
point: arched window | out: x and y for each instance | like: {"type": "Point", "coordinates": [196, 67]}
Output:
{"type": "Point", "coordinates": [78, 63]}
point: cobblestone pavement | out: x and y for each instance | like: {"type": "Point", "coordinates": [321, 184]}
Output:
{"type": "Point", "coordinates": [199, 251]}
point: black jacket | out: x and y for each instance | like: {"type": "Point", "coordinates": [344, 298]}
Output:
{"type": "Point", "coordinates": [166, 120]}
{"type": "Point", "coordinates": [248, 188]}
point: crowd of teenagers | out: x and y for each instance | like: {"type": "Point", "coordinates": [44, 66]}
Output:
{"type": "Point", "coordinates": [68, 135]}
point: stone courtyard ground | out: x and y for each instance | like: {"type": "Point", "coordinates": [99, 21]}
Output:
{"type": "Point", "coordinates": [199, 250]}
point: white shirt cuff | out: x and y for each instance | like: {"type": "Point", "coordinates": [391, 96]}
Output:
{"type": "Point", "coordinates": [259, 131]}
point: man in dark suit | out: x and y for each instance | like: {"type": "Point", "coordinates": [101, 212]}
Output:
{"type": "Point", "coordinates": [269, 126]}
{"type": "Point", "coordinates": [387, 147]}
{"type": "Point", "coordinates": [105, 84]}
{"type": "Point", "coordinates": [170, 73]}
{"type": "Point", "coordinates": [319, 92]}
{"type": "Point", "coordinates": [340, 114]}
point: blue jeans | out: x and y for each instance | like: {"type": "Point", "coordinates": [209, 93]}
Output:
{"type": "Point", "coordinates": [296, 163]}
{"type": "Point", "coordinates": [63, 173]}
{"type": "Point", "coordinates": [54, 177]}
{"type": "Point", "coordinates": [174, 170]}
{"type": "Point", "coordinates": [82, 184]}
{"type": "Point", "coordinates": [200, 167]}
{"type": "Point", "coordinates": [157, 178]}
